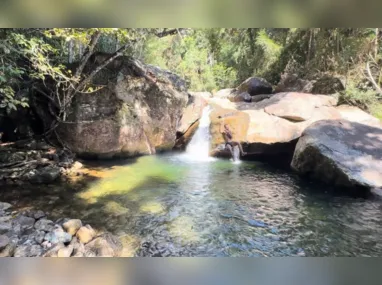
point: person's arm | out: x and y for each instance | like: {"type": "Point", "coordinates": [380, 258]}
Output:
{"type": "Point", "coordinates": [222, 127]}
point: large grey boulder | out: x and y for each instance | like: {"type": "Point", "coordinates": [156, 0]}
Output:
{"type": "Point", "coordinates": [342, 153]}
{"type": "Point", "coordinates": [134, 113]}
{"type": "Point", "coordinates": [255, 86]}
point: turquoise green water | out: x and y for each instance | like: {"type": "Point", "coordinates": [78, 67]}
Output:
{"type": "Point", "coordinates": [170, 205]}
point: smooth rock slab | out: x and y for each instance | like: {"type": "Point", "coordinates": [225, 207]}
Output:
{"type": "Point", "coordinates": [341, 152]}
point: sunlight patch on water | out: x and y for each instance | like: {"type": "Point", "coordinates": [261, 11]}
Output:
{"type": "Point", "coordinates": [115, 209]}
{"type": "Point", "coordinates": [152, 208]}
{"type": "Point", "coordinates": [130, 245]}
{"type": "Point", "coordinates": [124, 179]}
{"type": "Point", "coordinates": [183, 227]}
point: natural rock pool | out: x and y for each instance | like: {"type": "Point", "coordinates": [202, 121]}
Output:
{"type": "Point", "coordinates": [171, 205]}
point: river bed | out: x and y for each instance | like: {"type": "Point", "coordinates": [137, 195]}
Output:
{"type": "Point", "coordinates": [175, 205]}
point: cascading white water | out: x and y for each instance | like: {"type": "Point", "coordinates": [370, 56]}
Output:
{"type": "Point", "coordinates": [199, 146]}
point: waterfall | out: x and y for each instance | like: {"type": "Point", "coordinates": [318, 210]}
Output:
{"type": "Point", "coordinates": [199, 146]}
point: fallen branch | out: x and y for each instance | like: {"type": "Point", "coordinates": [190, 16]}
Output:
{"type": "Point", "coordinates": [371, 79]}
{"type": "Point", "coordinates": [12, 164]}
{"type": "Point", "coordinates": [22, 167]}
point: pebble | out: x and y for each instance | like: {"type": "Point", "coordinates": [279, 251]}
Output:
{"type": "Point", "coordinates": [5, 227]}
{"type": "Point", "coordinates": [65, 252]}
{"type": "Point", "coordinates": [53, 251]}
{"type": "Point", "coordinates": [85, 234]}
{"type": "Point", "coordinates": [4, 241]}
{"type": "Point", "coordinates": [57, 236]}
{"type": "Point", "coordinates": [4, 206]}
{"type": "Point", "coordinates": [39, 238]}
{"type": "Point", "coordinates": [26, 223]}
{"type": "Point", "coordinates": [30, 234]}
{"type": "Point", "coordinates": [72, 226]}
{"type": "Point", "coordinates": [44, 225]}
{"type": "Point", "coordinates": [28, 251]}
{"type": "Point", "coordinates": [5, 219]}
{"type": "Point", "coordinates": [39, 214]}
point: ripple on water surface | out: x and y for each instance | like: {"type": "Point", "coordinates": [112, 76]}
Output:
{"type": "Point", "coordinates": [173, 205]}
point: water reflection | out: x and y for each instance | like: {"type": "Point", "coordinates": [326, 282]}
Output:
{"type": "Point", "coordinates": [171, 206]}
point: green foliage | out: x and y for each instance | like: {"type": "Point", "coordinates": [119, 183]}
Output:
{"type": "Point", "coordinates": [376, 110]}
{"type": "Point", "coordinates": [366, 99]}
{"type": "Point", "coordinates": [354, 96]}
{"type": "Point", "coordinates": [191, 57]}
{"type": "Point", "coordinates": [270, 48]}
{"type": "Point", "coordinates": [208, 59]}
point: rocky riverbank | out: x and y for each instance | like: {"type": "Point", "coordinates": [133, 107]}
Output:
{"type": "Point", "coordinates": [35, 162]}
{"type": "Point", "coordinates": [32, 234]}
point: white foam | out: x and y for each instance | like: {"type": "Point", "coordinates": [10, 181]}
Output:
{"type": "Point", "coordinates": [199, 147]}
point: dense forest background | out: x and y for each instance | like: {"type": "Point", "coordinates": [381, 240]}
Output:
{"type": "Point", "coordinates": [42, 60]}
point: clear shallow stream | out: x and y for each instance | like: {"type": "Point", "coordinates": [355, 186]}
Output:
{"type": "Point", "coordinates": [171, 205]}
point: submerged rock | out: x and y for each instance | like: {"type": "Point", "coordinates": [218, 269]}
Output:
{"type": "Point", "coordinates": [342, 153]}
{"type": "Point", "coordinates": [105, 245]}
{"type": "Point", "coordinates": [255, 223]}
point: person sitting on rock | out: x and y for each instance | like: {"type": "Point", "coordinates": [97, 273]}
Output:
{"type": "Point", "coordinates": [228, 138]}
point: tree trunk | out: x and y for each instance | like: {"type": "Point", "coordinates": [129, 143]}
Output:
{"type": "Point", "coordinates": [309, 46]}
{"type": "Point", "coordinates": [70, 51]}
{"type": "Point", "coordinates": [376, 43]}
